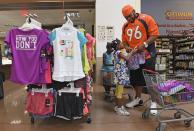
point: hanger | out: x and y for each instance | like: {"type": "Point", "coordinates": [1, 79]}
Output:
{"type": "Point", "coordinates": [36, 24]}
{"type": "Point", "coordinates": [42, 90]}
{"type": "Point", "coordinates": [27, 24]}
{"type": "Point", "coordinates": [72, 89]}
{"type": "Point", "coordinates": [68, 24]}
{"type": "Point", "coordinates": [31, 23]}
{"type": "Point", "coordinates": [69, 21]}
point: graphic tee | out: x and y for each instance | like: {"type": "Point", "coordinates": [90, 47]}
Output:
{"type": "Point", "coordinates": [67, 54]}
{"type": "Point", "coordinates": [26, 49]}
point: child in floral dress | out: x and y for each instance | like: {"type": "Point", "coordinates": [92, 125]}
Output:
{"type": "Point", "coordinates": [121, 76]}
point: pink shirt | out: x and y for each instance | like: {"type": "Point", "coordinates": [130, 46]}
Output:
{"type": "Point", "coordinates": [89, 45]}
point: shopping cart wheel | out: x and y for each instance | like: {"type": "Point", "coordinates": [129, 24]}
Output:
{"type": "Point", "coordinates": [32, 120]}
{"type": "Point", "coordinates": [89, 120]}
{"type": "Point", "coordinates": [177, 115]}
{"type": "Point", "coordinates": [187, 123]}
{"type": "Point", "coordinates": [130, 97]}
{"type": "Point", "coordinates": [111, 99]}
{"type": "Point", "coordinates": [146, 114]}
{"type": "Point", "coordinates": [161, 127]}
{"type": "Point", "coordinates": [106, 97]}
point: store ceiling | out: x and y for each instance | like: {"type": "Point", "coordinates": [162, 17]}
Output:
{"type": "Point", "coordinates": [29, 1]}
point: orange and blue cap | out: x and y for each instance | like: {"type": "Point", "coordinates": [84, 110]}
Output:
{"type": "Point", "coordinates": [126, 10]}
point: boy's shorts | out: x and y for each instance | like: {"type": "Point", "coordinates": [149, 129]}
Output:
{"type": "Point", "coordinates": [119, 91]}
{"type": "Point", "coordinates": [136, 76]}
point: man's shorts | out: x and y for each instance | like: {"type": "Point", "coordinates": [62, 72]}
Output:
{"type": "Point", "coordinates": [136, 76]}
{"type": "Point", "coordinates": [119, 91]}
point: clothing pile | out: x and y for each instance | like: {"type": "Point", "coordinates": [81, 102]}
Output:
{"type": "Point", "coordinates": [171, 87]}
{"type": "Point", "coordinates": [176, 91]}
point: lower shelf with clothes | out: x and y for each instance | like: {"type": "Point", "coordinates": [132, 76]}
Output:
{"type": "Point", "coordinates": [66, 100]}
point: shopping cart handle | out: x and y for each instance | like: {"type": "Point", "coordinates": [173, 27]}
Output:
{"type": "Point", "coordinates": [150, 71]}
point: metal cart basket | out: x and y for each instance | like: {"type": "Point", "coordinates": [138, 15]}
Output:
{"type": "Point", "coordinates": [168, 102]}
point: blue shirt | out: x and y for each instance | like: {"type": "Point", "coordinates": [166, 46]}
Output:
{"type": "Point", "coordinates": [108, 65]}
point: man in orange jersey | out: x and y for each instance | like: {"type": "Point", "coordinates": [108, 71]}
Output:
{"type": "Point", "coordinates": [140, 31]}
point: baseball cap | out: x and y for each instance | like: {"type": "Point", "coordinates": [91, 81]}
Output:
{"type": "Point", "coordinates": [127, 9]}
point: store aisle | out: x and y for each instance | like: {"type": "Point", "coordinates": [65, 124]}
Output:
{"type": "Point", "coordinates": [12, 116]}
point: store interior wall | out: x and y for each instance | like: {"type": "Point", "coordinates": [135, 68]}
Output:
{"type": "Point", "coordinates": [109, 13]}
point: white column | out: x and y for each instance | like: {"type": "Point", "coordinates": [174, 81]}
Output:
{"type": "Point", "coordinates": [109, 13]}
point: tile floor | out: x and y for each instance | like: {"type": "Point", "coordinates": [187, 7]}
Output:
{"type": "Point", "coordinates": [13, 118]}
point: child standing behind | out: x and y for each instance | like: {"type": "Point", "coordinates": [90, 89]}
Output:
{"type": "Point", "coordinates": [108, 68]}
{"type": "Point", "coordinates": [121, 76]}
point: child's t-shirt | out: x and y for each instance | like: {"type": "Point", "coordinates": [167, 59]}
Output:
{"type": "Point", "coordinates": [136, 60]}
{"type": "Point", "coordinates": [89, 44]}
{"type": "Point", "coordinates": [26, 47]}
{"type": "Point", "coordinates": [67, 43]}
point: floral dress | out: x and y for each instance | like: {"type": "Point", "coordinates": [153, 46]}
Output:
{"type": "Point", "coordinates": [120, 69]}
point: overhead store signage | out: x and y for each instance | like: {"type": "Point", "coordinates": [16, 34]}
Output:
{"type": "Point", "coordinates": [72, 13]}
{"type": "Point", "coordinates": [178, 15]}
{"type": "Point", "coordinates": [172, 16]}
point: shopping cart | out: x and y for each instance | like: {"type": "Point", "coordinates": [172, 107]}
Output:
{"type": "Point", "coordinates": [168, 102]}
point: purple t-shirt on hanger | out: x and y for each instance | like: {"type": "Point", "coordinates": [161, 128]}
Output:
{"type": "Point", "coordinates": [26, 49]}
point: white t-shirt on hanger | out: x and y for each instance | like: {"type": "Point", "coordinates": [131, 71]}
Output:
{"type": "Point", "coordinates": [67, 43]}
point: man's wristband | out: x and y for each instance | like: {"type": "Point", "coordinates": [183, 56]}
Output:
{"type": "Point", "coordinates": [145, 44]}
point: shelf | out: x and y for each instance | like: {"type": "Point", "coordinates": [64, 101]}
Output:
{"type": "Point", "coordinates": [6, 61]}
{"type": "Point", "coordinates": [159, 71]}
{"type": "Point", "coordinates": [182, 45]}
{"type": "Point", "coordinates": [162, 53]}
{"type": "Point", "coordinates": [185, 44]}
{"type": "Point", "coordinates": [184, 59]}
{"type": "Point", "coordinates": [185, 52]}
{"type": "Point", "coordinates": [182, 68]}
{"type": "Point", "coordinates": [183, 41]}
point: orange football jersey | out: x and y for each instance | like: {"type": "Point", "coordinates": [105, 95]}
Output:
{"type": "Point", "coordinates": [135, 33]}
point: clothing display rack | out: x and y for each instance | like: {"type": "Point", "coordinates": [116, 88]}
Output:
{"type": "Point", "coordinates": [67, 94]}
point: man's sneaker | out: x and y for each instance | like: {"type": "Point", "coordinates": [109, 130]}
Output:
{"type": "Point", "coordinates": [133, 103]}
{"type": "Point", "coordinates": [124, 109]}
{"type": "Point", "coordinates": [153, 105]}
{"type": "Point", "coordinates": [116, 108]}
{"type": "Point", "coordinates": [121, 111]}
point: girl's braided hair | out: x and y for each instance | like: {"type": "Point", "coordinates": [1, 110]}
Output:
{"type": "Point", "coordinates": [115, 43]}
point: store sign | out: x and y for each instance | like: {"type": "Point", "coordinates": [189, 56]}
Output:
{"type": "Point", "coordinates": [72, 13]}
{"type": "Point", "coordinates": [178, 15]}
{"type": "Point", "coordinates": [171, 16]}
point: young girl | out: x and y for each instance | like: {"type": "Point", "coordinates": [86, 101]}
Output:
{"type": "Point", "coordinates": [107, 68]}
{"type": "Point", "coordinates": [121, 76]}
